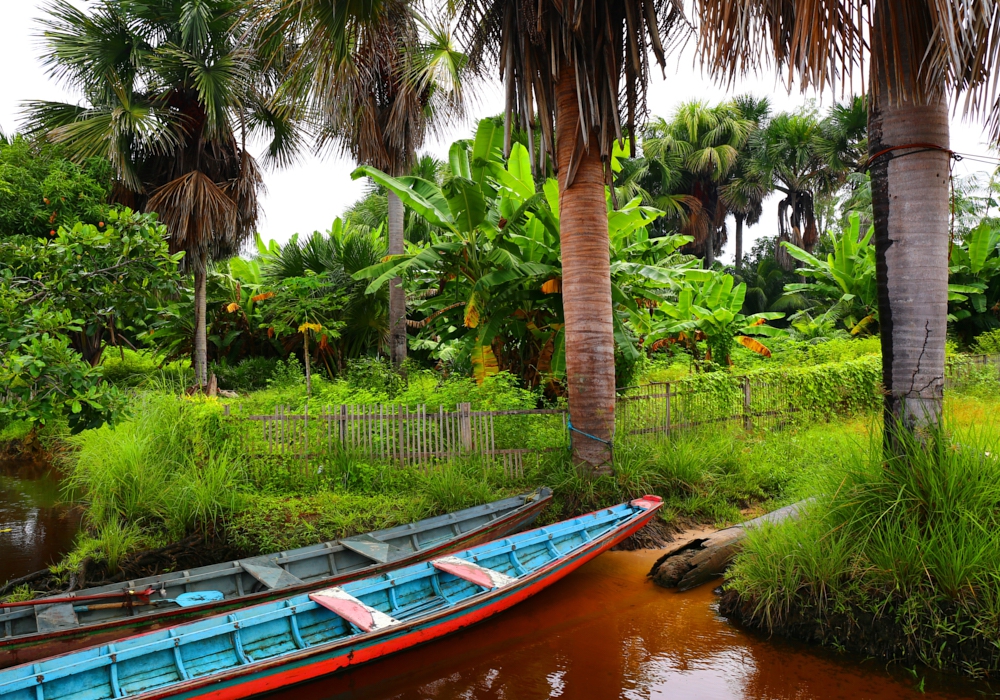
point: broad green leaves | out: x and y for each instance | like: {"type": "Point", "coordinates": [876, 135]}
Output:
{"type": "Point", "coordinates": [494, 271]}
{"type": "Point", "coordinates": [847, 277]}
{"type": "Point", "coordinates": [708, 307]}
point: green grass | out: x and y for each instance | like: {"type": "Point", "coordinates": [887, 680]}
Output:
{"type": "Point", "coordinates": [908, 545]}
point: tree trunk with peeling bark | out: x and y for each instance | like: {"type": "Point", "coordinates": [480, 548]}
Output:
{"type": "Point", "coordinates": [910, 193]}
{"type": "Point", "coordinates": [200, 326]}
{"type": "Point", "coordinates": [586, 286]}
{"type": "Point", "coordinates": [397, 296]}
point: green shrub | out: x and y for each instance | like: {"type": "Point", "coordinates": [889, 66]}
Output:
{"type": "Point", "coordinates": [987, 343]}
{"type": "Point", "coordinates": [250, 374]}
{"type": "Point", "coordinates": [286, 374]}
{"type": "Point", "coordinates": [376, 375]}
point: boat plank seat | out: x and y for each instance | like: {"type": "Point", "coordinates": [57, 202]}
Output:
{"type": "Point", "coordinates": [473, 573]}
{"type": "Point", "coordinates": [51, 618]}
{"type": "Point", "coordinates": [376, 550]}
{"type": "Point", "coordinates": [270, 574]}
{"type": "Point", "coordinates": [342, 603]}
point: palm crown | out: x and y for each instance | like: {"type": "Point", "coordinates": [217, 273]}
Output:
{"type": "Point", "coordinates": [171, 97]}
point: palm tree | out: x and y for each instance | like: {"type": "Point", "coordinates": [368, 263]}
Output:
{"type": "Point", "coordinates": [567, 65]}
{"type": "Point", "coordinates": [746, 188]}
{"type": "Point", "coordinates": [378, 77]}
{"type": "Point", "coordinates": [704, 144]}
{"type": "Point", "coordinates": [171, 97]}
{"type": "Point", "coordinates": [921, 51]}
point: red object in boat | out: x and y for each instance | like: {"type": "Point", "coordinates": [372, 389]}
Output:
{"type": "Point", "coordinates": [142, 598]}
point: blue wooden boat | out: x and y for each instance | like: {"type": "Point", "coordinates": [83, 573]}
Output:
{"type": "Point", "coordinates": [56, 626]}
{"type": "Point", "coordinates": [273, 645]}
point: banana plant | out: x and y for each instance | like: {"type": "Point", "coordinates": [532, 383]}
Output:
{"type": "Point", "coordinates": [846, 278]}
{"type": "Point", "coordinates": [491, 279]}
{"type": "Point", "coordinates": [497, 247]}
{"type": "Point", "coordinates": [974, 272]}
{"type": "Point", "coordinates": [708, 307]}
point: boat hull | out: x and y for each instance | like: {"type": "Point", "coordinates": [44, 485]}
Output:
{"type": "Point", "coordinates": [311, 664]}
{"type": "Point", "coordinates": [41, 646]}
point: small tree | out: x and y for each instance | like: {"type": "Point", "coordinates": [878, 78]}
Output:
{"type": "Point", "coordinates": [304, 306]}
{"type": "Point", "coordinates": [63, 300]}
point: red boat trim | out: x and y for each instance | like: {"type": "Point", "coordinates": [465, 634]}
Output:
{"type": "Point", "coordinates": [301, 669]}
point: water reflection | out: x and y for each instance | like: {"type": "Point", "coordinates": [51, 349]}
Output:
{"type": "Point", "coordinates": [35, 530]}
{"type": "Point", "coordinates": [606, 632]}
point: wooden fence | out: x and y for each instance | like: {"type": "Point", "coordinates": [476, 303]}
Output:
{"type": "Point", "coordinates": [962, 370]}
{"type": "Point", "coordinates": [405, 436]}
{"type": "Point", "coordinates": [665, 407]}
{"type": "Point", "coordinates": [506, 438]}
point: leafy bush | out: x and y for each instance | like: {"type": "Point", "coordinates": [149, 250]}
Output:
{"type": "Point", "coordinates": [250, 374]}
{"type": "Point", "coordinates": [987, 343]}
{"type": "Point", "coordinates": [376, 375]}
{"type": "Point", "coordinates": [40, 190]}
{"type": "Point", "coordinates": [287, 373]}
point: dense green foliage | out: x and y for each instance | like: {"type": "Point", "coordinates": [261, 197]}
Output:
{"type": "Point", "coordinates": [63, 299]}
{"type": "Point", "coordinates": [42, 191]}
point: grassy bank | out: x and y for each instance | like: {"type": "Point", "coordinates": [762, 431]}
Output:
{"type": "Point", "coordinates": [898, 558]}
{"type": "Point", "coordinates": [173, 470]}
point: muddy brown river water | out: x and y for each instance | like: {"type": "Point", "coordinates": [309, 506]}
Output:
{"type": "Point", "coordinates": [607, 632]}
{"type": "Point", "coordinates": [35, 530]}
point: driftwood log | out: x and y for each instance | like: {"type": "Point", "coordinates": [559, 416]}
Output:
{"type": "Point", "coordinates": [696, 561]}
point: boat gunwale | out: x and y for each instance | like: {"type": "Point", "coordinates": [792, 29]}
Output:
{"type": "Point", "coordinates": [618, 533]}
{"type": "Point", "coordinates": [151, 617]}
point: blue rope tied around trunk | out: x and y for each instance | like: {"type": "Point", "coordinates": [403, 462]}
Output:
{"type": "Point", "coordinates": [569, 424]}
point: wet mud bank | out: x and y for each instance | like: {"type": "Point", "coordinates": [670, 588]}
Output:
{"type": "Point", "coordinates": [955, 649]}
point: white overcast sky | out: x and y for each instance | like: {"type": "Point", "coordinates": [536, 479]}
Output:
{"type": "Point", "coordinates": [310, 194]}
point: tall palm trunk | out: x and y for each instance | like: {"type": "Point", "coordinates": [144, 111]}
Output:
{"type": "Point", "coordinates": [739, 241]}
{"type": "Point", "coordinates": [200, 328]}
{"type": "Point", "coordinates": [586, 288]}
{"type": "Point", "coordinates": [710, 249]}
{"type": "Point", "coordinates": [911, 212]}
{"type": "Point", "coordinates": [397, 296]}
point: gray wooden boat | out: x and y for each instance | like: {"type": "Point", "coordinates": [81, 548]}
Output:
{"type": "Point", "coordinates": [67, 623]}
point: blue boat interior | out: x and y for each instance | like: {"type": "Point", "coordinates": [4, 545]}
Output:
{"type": "Point", "coordinates": [216, 644]}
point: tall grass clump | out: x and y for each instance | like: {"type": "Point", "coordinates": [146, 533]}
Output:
{"type": "Point", "coordinates": [160, 471]}
{"type": "Point", "coordinates": [899, 556]}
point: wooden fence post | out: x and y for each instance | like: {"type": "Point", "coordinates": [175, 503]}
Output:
{"type": "Point", "coordinates": [465, 423]}
{"type": "Point", "coordinates": [667, 402]}
{"type": "Point", "coordinates": [305, 434]}
{"type": "Point", "coordinates": [747, 418]}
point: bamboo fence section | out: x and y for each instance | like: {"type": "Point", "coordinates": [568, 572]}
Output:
{"type": "Point", "coordinates": [405, 436]}
{"type": "Point", "coordinates": [416, 437]}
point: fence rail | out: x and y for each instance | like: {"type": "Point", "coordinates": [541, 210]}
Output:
{"type": "Point", "coordinates": [505, 438]}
